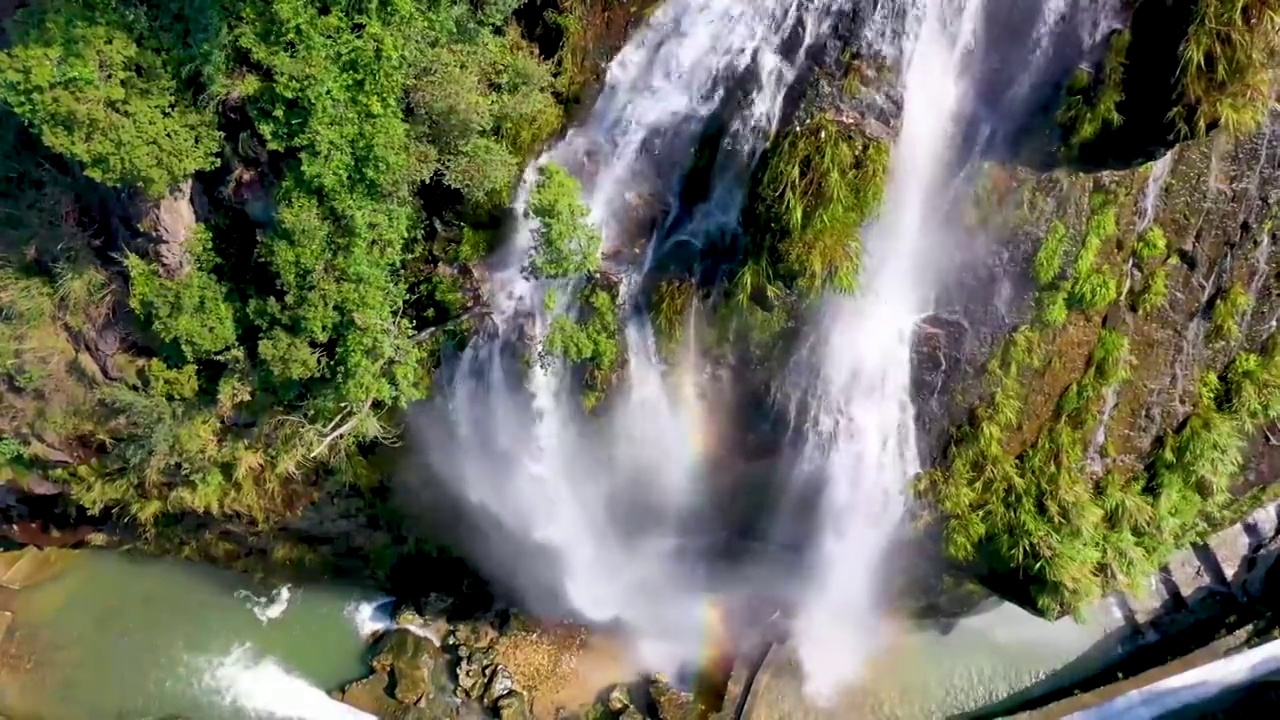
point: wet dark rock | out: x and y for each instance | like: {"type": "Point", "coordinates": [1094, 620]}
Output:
{"type": "Point", "coordinates": [435, 627]}
{"type": "Point", "coordinates": [372, 695]}
{"type": "Point", "coordinates": [501, 683]}
{"type": "Point", "coordinates": [869, 100]}
{"type": "Point", "coordinates": [513, 706]}
{"type": "Point", "coordinates": [246, 188]}
{"type": "Point", "coordinates": [471, 675]}
{"type": "Point", "coordinates": [619, 699]}
{"type": "Point", "coordinates": [417, 666]}
{"type": "Point", "coordinates": [476, 634]}
{"type": "Point", "coordinates": [672, 703]}
{"type": "Point", "coordinates": [412, 680]}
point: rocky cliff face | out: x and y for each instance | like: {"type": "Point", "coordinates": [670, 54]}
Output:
{"type": "Point", "coordinates": [1096, 387]}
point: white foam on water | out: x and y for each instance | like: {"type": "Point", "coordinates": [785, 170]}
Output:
{"type": "Point", "coordinates": [264, 688]}
{"type": "Point", "coordinates": [370, 617]}
{"type": "Point", "coordinates": [269, 607]}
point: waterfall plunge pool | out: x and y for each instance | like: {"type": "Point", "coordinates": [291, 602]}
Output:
{"type": "Point", "coordinates": [109, 635]}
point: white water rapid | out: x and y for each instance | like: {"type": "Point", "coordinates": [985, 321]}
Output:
{"type": "Point", "coordinates": [854, 378]}
{"type": "Point", "coordinates": [263, 688]}
{"type": "Point", "coordinates": [268, 607]}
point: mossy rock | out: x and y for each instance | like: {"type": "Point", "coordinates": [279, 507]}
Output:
{"type": "Point", "coordinates": [412, 680]}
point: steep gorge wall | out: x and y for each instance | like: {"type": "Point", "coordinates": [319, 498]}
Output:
{"type": "Point", "coordinates": [1097, 386]}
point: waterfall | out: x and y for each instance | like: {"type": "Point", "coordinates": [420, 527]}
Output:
{"type": "Point", "coordinates": [595, 518]}
{"type": "Point", "coordinates": [1151, 193]}
{"type": "Point", "coordinates": [854, 377]}
{"type": "Point", "coordinates": [970, 73]}
{"type": "Point", "coordinates": [590, 514]}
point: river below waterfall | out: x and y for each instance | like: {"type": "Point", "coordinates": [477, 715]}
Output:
{"type": "Point", "coordinates": [979, 664]}
{"type": "Point", "coordinates": [108, 635]}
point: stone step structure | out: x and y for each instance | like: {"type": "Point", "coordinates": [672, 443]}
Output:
{"type": "Point", "coordinates": [1200, 583]}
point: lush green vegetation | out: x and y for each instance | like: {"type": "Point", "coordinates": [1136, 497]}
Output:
{"type": "Point", "coordinates": [1151, 253]}
{"type": "Point", "coordinates": [672, 302]}
{"type": "Point", "coordinates": [820, 184]}
{"type": "Point", "coordinates": [1223, 73]}
{"type": "Point", "coordinates": [1069, 529]}
{"type": "Point", "coordinates": [96, 92]}
{"type": "Point", "coordinates": [1087, 284]}
{"type": "Point", "coordinates": [1228, 65]}
{"type": "Point", "coordinates": [568, 245]}
{"type": "Point", "coordinates": [1228, 311]}
{"type": "Point", "coordinates": [1032, 491]}
{"type": "Point", "coordinates": [1092, 102]}
{"type": "Point", "coordinates": [591, 340]}
{"type": "Point", "coordinates": [350, 159]}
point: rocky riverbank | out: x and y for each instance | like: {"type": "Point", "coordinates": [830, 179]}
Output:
{"type": "Point", "coordinates": [510, 667]}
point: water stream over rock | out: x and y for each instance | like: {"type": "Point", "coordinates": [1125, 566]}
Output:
{"type": "Point", "coordinates": [597, 516]}
{"type": "Point", "coordinates": [605, 503]}
{"type": "Point", "coordinates": [854, 378]}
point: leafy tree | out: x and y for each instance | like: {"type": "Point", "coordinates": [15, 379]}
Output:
{"type": "Point", "coordinates": [191, 312]}
{"type": "Point", "coordinates": [92, 93]}
{"type": "Point", "coordinates": [568, 245]}
{"type": "Point", "coordinates": [290, 344]}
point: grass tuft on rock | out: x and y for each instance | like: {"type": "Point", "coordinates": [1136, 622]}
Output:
{"type": "Point", "coordinates": [821, 182]}
{"type": "Point", "coordinates": [1228, 311]}
{"type": "Point", "coordinates": [1093, 99]}
{"type": "Point", "coordinates": [1228, 66]}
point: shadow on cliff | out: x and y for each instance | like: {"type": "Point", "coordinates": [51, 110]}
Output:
{"type": "Point", "coordinates": [1180, 626]}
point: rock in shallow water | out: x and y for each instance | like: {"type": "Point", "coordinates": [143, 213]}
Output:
{"type": "Point", "coordinates": [411, 673]}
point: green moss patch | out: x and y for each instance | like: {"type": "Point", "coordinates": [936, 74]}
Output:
{"type": "Point", "coordinates": [820, 183]}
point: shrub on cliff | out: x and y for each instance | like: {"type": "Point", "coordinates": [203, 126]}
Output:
{"type": "Point", "coordinates": [591, 342]}
{"type": "Point", "coordinates": [568, 244]}
{"type": "Point", "coordinates": [1229, 65]}
{"type": "Point", "coordinates": [382, 135]}
{"type": "Point", "coordinates": [820, 183]}
{"type": "Point", "coordinates": [93, 93]}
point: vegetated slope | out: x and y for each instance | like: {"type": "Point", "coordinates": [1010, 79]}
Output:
{"type": "Point", "coordinates": [235, 236]}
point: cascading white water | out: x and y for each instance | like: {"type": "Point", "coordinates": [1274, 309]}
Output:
{"type": "Point", "coordinates": [592, 516]}
{"type": "Point", "coordinates": [609, 498]}
{"type": "Point", "coordinates": [1155, 184]}
{"type": "Point", "coordinates": [854, 378]}
{"type": "Point", "coordinates": [267, 607]}
{"type": "Point", "coordinates": [262, 688]}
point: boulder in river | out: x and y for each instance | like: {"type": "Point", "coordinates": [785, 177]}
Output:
{"type": "Point", "coordinates": [410, 672]}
